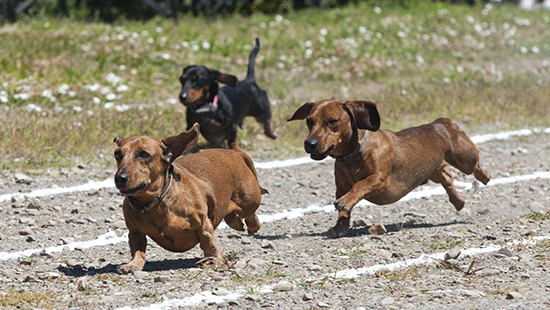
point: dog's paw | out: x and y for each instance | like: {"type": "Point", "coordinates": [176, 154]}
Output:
{"type": "Point", "coordinates": [340, 206]}
{"type": "Point", "coordinates": [334, 233]}
{"type": "Point", "coordinates": [124, 269]}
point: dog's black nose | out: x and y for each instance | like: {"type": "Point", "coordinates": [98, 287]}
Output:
{"type": "Point", "coordinates": [183, 97]}
{"type": "Point", "coordinates": [121, 179]}
{"type": "Point", "coordinates": [310, 145]}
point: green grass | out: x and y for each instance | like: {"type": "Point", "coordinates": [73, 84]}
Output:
{"type": "Point", "coordinates": [485, 69]}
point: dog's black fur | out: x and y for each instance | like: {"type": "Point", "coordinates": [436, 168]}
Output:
{"type": "Point", "coordinates": [235, 102]}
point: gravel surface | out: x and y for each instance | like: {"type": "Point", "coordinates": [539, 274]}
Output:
{"type": "Point", "coordinates": [289, 263]}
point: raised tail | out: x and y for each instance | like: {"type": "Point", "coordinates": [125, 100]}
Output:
{"type": "Point", "coordinates": [251, 59]}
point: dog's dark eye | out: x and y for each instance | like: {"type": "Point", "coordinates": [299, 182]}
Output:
{"type": "Point", "coordinates": [333, 122]}
{"type": "Point", "coordinates": [118, 156]}
{"type": "Point", "coordinates": [309, 122]}
{"type": "Point", "coordinates": [144, 155]}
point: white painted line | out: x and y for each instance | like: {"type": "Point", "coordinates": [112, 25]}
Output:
{"type": "Point", "coordinates": [424, 259]}
{"type": "Point", "coordinates": [110, 238]}
{"type": "Point", "coordinates": [190, 301]}
{"type": "Point", "coordinates": [62, 190]}
{"type": "Point", "coordinates": [105, 239]}
{"type": "Point", "coordinates": [266, 165]}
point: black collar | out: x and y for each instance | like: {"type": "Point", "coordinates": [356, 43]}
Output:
{"type": "Point", "coordinates": [158, 200]}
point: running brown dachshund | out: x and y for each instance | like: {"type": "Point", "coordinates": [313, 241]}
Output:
{"type": "Point", "coordinates": [382, 166]}
{"type": "Point", "coordinates": [179, 202]}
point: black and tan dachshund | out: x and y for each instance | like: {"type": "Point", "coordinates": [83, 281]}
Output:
{"type": "Point", "coordinates": [219, 111]}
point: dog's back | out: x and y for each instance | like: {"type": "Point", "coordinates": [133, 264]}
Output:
{"type": "Point", "coordinates": [232, 178]}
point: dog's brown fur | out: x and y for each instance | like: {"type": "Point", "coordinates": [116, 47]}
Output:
{"type": "Point", "coordinates": [207, 187]}
{"type": "Point", "coordinates": [382, 166]}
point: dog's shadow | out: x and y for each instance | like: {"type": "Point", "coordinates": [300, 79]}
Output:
{"type": "Point", "coordinates": [363, 231]}
{"type": "Point", "coordinates": [168, 264]}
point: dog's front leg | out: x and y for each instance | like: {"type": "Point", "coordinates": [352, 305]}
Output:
{"type": "Point", "coordinates": [138, 245]}
{"type": "Point", "coordinates": [206, 239]}
{"type": "Point", "coordinates": [372, 185]}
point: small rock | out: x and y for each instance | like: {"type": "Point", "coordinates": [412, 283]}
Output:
{"type": "Point", "coordinates": [254, 297]}
{"type": "Point", "coordinates": [514, 295]}
{"type": "Point", "coordinates": [31, 238]}
{"type": "Point", "coordinates": [25, 220]}
{"type": "Point", "coordinates": [323, 305]}
{"type": "Point", "coordinates": [22, 178]}
{"type": "Point", "coordinates": [221, 292]}
{"type": "Point", "coordinates": [18, 198]}
{"type": "Point", "coordinates": [482, 211]}
{"type": "Point", "coordinates": [26, 231]}
{"type": "Point", "coordinates": [266, 245]}
{"type": "Point", "coordinates": [506, 252]}
{"type": "Point", "coordinates": [453, 253]}
{"type": "Point", "coordinates": [307, 297]}
{"type": "Point", "coordinates": [359, 223]}
{"type": "Point", "coordinates": [246, 241]}
{"type": "Point", "coordinates": [34, 204]}
{"type": "Point", "coordinates": [472, 293]}
{"type": "Point", "coordinates": [140, 274]}
{"type": "Point", "coordinates": [83, 286]}
{"type": "Point", "coordinates": [378, 229]}
{"type": "Point", "coordinates": [162, 279]}
{"type": "Point", "coordinates": [283, 287]}
{"type": "Point", "coordinates": [536, 206]}
{"type": "Point", "coordinates": [383, 253]}
{"type": "Point", "coordinates": [488, 272]}
{"type": "Point", "coordinates": [67, 240]}
{"type": "Point", "coordinates": [315, 268]}
{"type": "Point", "coordinates": [387, 301]}
{"type": "Point", "coordinates": [119, 224]}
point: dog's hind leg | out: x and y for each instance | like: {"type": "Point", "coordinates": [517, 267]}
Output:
{"type": "Point", "coordinates": [444, 177]}
{"type": "Point", "coordinates": [234, 221]}
{"type": "Point", "coordinates": [268, 131]}
{"type": "Point", "coordinates": [463, 154]}
{"type": "Point", "coordinates": [252, 223]}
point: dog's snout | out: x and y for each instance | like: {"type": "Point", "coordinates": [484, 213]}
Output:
{"type": "Point", "coordinates": [121, 179]}
{"type": "Point", "coordinates": [310, 145]}
{"type": "Point", "coordinates": [183, 97]}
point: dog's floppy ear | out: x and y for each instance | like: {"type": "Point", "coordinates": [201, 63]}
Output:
{"type": "Point", "coordinates": [180, 144]}
{"type": "Point", "coordinates": [364, 114]}
{"type": "Point", "coordinates": [302, 112]}
{"type": "Point", "coordinates": [118, 140]}
{"type": "Point", "coordinates": [227, 79]}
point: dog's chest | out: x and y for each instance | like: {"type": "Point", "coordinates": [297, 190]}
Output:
{"type": "Point", "coordinates": [212, 130]}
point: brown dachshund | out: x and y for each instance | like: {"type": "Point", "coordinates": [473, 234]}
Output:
{"type": "Point", "coordinates": [382, 166]}
{"type": "Point", "coordinates": [179, 202]}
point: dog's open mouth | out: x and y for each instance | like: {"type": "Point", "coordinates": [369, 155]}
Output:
{"type": "Point", "coordinates": [131, 191]}
{"type": "Point", "coordinates": [321, 156]}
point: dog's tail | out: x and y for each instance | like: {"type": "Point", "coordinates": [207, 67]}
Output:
{"type": "Point", "coordinates": [250, 76]}
{"type": "Point", "coordinates": [250, 165]}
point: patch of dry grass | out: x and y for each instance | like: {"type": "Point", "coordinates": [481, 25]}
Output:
{"type": "Point", "coordinates": [23, 299]}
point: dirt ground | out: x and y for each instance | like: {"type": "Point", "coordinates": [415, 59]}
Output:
{"type": "Point", "coordinates": [290, 263]}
